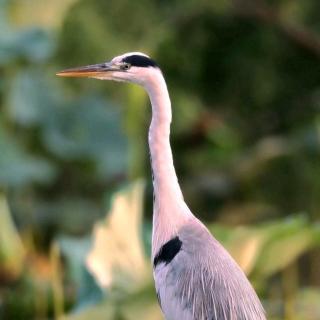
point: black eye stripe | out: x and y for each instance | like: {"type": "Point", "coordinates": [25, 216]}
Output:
{"type": "Point", "coordinates": [140, 61]}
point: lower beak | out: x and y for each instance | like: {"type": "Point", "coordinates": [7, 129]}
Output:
{"type": "Point", "coordinates": [93, 70]}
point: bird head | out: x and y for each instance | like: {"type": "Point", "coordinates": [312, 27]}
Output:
{"type": "Point", "coordinates": [133, 67]}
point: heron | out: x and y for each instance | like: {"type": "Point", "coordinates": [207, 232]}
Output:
{"type": "Point", "coordinates": [195, 277]}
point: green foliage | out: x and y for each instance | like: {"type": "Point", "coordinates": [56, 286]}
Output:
{"type": "Point", "coordinates": [18, 168]}
{"type": "Point", "coordinates": [11, 247]}
{"type": "Point", "coordinates": [33, 44]}
{"type": "Point", "coordinates": [244, 81]}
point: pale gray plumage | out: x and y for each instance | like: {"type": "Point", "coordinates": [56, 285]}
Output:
{"type": "Point", "coordinates": [203, 282]}
{"type": "Point", "coordinates": [195, 277]}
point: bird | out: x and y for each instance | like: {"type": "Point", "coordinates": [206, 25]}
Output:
{"type": "Point", "coordinates": [195, 277]}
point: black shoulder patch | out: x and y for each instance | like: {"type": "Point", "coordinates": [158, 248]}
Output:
{"type": "Point", "coordinates": [168, 251]}
{"type": "Point", "coordinates": [140, 61]}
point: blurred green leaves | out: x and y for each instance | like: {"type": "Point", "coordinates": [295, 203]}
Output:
{"type": "Point", "coordinates": [269, 248]}
{"type": "Point", "coordinates": [33, 45]}
{"type": "Point", "coordinates": [244, 82]}
{"type": "Point", "coordinates": [85, 126]}
{"type": "Point", "coordinates": [18, 168]}
{"type": "Point", "coordinates": [31, 98]}
{"type": "Point", "coordinates": [12, 251]}
{"type": "Point", "coordinates": [88, 129]}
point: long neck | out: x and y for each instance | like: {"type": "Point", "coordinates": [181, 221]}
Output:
{"type": "Point", "coordinates": [165, 180]}
{"type": "Point", "coordinates": [169, 207]}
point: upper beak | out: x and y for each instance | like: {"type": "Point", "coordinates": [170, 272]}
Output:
{"type": "Point", "coordinates": [89, 71]}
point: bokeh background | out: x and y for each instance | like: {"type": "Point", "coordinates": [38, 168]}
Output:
{"type": "Point", "coordinates": [75, 185]}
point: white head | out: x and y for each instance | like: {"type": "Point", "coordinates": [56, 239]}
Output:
{"type": "Point", "coordinates": [133, 67]}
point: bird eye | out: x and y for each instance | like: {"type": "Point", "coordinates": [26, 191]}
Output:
{"type": "Point", "coordinates": [125, 66]}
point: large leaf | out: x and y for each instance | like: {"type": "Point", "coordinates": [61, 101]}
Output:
{"type": "Point", "coordinates": [34, 45]}
{"type": "Point", "coordinates": [88, 128]}
{"type": "Point", "coordinates": [12, 252]}
{"type": "Point", "coordinates": [271, 247]}
{"type": "Point", "coordinates": [117, 258]}
{"type": "Point", "coordinates": [32, 98]}
{"type": "Point", "coordinates": [75, 250]}
{"type": "Point", "coordinates": [285, 243]}
{"type": "Point", "coordinates": [17, 167]}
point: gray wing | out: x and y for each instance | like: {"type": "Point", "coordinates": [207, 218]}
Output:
{"type": "Point", "coordinates": [202, 281]}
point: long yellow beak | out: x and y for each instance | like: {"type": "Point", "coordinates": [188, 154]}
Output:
{"type": "Point", "coordinates": [93, 70]}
